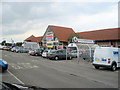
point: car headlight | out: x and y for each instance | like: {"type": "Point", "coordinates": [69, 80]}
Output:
{"type": "Point", "coordinates": [5, 62]}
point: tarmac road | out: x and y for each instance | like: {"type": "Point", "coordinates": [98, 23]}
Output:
{"type": "Point", "coordinates": [38, 71]}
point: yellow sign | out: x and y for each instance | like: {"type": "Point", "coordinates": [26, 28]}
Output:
{"type": "Point", "coordinates": [49, 46]}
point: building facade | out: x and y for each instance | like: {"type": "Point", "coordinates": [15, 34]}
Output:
{"type": "Point", "coordinates": [32, 38]}
{"type": "Point", "coordinates": [56, 37]}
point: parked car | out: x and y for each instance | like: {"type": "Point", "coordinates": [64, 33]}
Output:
{"type": "Point", "coordinates": [59, 54]}
{"type": "Point", "coordinates": [36, 52]}
{"type": "Point", "coordinates": [7, 48]}
{"type": "Point", "coordinates": [13, 49]}
{"type": "Point", "coordinates": [45, 53]}
{"type": "Point", "coordinates": [3, 65]}
{"type": "Point", "coordinates": [25, 50]}
{"type": "Point", "coordinates": [3, 47]}
{"type": "Point", "coordinates": [18, 50]}
{"type": "Point", "coordinates": [74, 53]}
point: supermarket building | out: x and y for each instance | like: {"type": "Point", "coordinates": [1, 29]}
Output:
{"type": "Point", "coordinates": [57, 37]}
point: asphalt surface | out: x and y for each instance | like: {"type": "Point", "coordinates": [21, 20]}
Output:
{"type": "Point", "coordinates": [45, 73]}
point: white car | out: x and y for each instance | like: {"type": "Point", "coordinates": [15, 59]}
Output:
{"type": "Point", "coordinates": [107, 57]}
{"type": "Point", "coordinates": [13, 49]}
{"type": "Point", "coordinates": [45, 53]}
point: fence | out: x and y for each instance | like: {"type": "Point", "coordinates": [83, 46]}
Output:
{"type": "Point", "coordinates": [86, 51]}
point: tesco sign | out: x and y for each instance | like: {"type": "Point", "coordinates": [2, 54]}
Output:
{"type": "Point", "coordinates": [75, 39]}
{"type": "Point", "coordinates": [49, 37]}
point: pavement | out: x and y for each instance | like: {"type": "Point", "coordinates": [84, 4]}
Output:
{"type": "Point", "coordinates": [45, 73]}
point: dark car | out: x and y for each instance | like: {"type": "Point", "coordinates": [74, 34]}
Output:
{"type": "Point", "coordinates": [59, 54]}
{"type": "Point", "coordinates": [25, 50]}
{"type": "Point", "coordinates": [9, 86]}
{"type": "Point", "coordinates": [36, 52]}
{"type": "Point", "coordinates": [3, 65]}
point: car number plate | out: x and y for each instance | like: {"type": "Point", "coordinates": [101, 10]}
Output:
{"type": "Point", "coordinates": [97, 60]}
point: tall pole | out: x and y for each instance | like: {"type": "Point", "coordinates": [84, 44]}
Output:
{"type": "Point", "coordinates": [66, 53]}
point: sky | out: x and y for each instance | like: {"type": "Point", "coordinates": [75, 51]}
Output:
{"type": "Point", "coordinates": [20, 19]}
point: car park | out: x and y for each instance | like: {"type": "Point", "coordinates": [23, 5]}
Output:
{"type": "Point", "coordinates": [3, 65]}
{"type": "Point", "coordinates": [107, 57]}
{"type": "Point", "coordinates": [60, 54]}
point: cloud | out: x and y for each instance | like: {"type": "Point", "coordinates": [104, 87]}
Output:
{"type": "Point", "coordinates": [20, 20]}
{"type": "Point", "coordinates": [60, 0]}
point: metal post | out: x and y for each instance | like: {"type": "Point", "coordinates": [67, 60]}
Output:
{"type": "Point", "coordinates": [66, 53]}
{"type": "Point", "coordinates": [90, 54]}
{"type": "Point", "coordinates": [77, 54]}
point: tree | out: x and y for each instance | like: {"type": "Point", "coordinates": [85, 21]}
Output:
{"type": "Point", "coordinates": [8, 44]}
{"type": "Point", "coordinates": [18, 44]}
{"type": "Point", "coordinates": [3, 42]}
{"type": "Point", "coordinates": [71, 37]}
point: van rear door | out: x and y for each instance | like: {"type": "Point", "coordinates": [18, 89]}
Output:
{"type": "Point", "coordinates": [102, 55]}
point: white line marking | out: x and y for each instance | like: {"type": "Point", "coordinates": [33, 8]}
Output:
{"type": "Point", "coordinates": [15, 77]}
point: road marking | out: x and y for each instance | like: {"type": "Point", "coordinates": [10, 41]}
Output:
{"type": "Point", "coordinates": [23, 66]}
{"type": "Point", "coordinates": [15, 77]}
{"type": "Point", "coordinates": [15, 66]}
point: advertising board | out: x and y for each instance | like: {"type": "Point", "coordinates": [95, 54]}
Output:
{"type": "Point", "coordinates": [49, 37]}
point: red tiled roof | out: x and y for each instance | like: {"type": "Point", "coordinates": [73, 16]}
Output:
{"type": "Point", "coordinates": [30, 38]}
{"type": "Point", "coordinates": [62, 33]}
{"type": "Point", "coordinates": [37, 39]}
{"type": "Point", "coordinates": [104, 34]}
{"type": "Point", "coordinates": [34, 39]}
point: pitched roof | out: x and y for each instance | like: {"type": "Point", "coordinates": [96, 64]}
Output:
{"type": "Point", "coordinates": [34, 39]}
{"type": "Point", "coordinates": [37, 39]}
{"type": "Point", "coordinates": [104, 34]}
{"type": "Point", "coordinates": [30, 38]}
{"type": "Point", "coordinates": [62, 33]}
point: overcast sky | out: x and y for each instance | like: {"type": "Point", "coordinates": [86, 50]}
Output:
{"type": "Point", "coordinates": [23, 18]}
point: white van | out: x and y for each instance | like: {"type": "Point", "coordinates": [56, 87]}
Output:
{"type": "Point", "coordinates": [107, 57]}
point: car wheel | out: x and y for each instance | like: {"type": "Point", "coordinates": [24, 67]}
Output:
{"type": "Point", "coordinates": [56, 58]}
{"type": "Point", "coordinates": [97, 67]}
{"type": "Point", "coordinates": [6, 68]}
{"type": "Point", "coordinates": [114, 67]}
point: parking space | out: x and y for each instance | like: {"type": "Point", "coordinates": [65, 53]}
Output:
{"type": "Point", "coordinates": [40, 71]}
